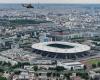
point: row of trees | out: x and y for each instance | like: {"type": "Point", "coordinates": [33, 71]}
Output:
{"type": "Point", "coordinates": [83, 75]}
{"type": "Point", "coordinates": [3, 63]}
{"type": "Point", "coordinates": [3, 78]}
{"type": "Point", "coordinates": [20, 65]}
{"type": "Point", "coordinates": [25, 21]}
{"type": "Point", "coordinates": [58, 68]}
{"type": "Point", "coordinates": [57, 72]}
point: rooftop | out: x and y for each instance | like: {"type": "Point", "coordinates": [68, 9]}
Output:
{"type": "Point", "coordinates": [61, 47]}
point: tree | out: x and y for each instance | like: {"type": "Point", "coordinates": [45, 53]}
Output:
{"type": "Point", "coordinates": [71, 69]}
{"type": "Point", "coordinates": [36, 74]}
{"type": "Point", "coordinates": [54, 62]}
{"type": "Point", "coordinates": [17, 72]}
{"type": "Point", "coordinates": [50, 68]}
{"type": "Point", "coordinates": [4, 63]}
{"type": "Point", "coordinates": [98, 64]}
{"type": "Point", "coordinates": [94, 66]}
{"type": "Point", "coordinates": [58, 74]}
{"type": "Point", "coordinates": [9, 64]}
{"type": "Point", "coordinates": [39, 74]}
{"type": "Point", "coordinates": [1, 70]}
{"type": "Point", "coordinates": [35, 68]}
{"type": "Point", "coordinates": [0, 62]}
{"type": "Point", "coordinates": [26, 63]}
{"type": "Point", "coordinates": [54, 74]}
{"type": "Point", "coordinates": [3, 78]}
{"type": "Point", "coordinates": [85, 67]}
{"type": "Point", "coordinates": [59, 68]}
{"type": "Point", "coordinates": [49, 74]}
{"type": "Point", "coordinates": [83, 75]}
{"type": "Point", "coordinates": [67, 75]}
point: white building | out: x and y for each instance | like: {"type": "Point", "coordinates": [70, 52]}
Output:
{"type": "Point", "coordinates": [41, 61]}
{"type": "Point", "coordinates": [43, 37]}
{"type": "Point", "coordinates": [69, 66]}
{"type": "Point", "coordinates": [24, 76]}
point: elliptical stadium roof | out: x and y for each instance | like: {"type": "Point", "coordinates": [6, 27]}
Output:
{"type": "Point", "coordinates": [76, 47]}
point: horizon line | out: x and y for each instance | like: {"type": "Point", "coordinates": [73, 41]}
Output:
{"type": "Point", "coordinates": [49, 3]}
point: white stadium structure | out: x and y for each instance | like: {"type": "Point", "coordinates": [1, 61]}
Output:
{"type": "Point", "coordinates": [65, 50]}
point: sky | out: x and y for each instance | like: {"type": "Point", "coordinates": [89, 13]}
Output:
{"type": "Point", "coordinates": [52, 1]}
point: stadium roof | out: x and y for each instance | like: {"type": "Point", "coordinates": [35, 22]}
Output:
{"type": "Point", "coordinates": [75, 49]}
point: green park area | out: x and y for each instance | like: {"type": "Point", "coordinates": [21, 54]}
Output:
{"type": "Point", "coordinates": [25, 21]}
{"type": "Point", "coordinates": [93, 61]}
{"type": "Point", "coordinates": [16, 22]}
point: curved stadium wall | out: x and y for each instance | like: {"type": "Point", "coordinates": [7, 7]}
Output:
{"type": "Point", "coordinates": [62, 50]}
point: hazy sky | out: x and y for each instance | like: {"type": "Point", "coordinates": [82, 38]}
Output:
{"type": "Point", "coordinates": [50, 1]}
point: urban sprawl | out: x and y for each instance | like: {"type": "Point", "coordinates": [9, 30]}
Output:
{"type": "Point", "coordinates": [50, 44]}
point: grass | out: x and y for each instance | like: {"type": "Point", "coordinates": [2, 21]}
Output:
{"type": "Point", "coordinates": [60, 46]}
{"type": "Point", "coordinates": [93, 61]}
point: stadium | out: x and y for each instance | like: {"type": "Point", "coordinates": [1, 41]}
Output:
{"type": "Point", "coordinates": [61, 50]}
